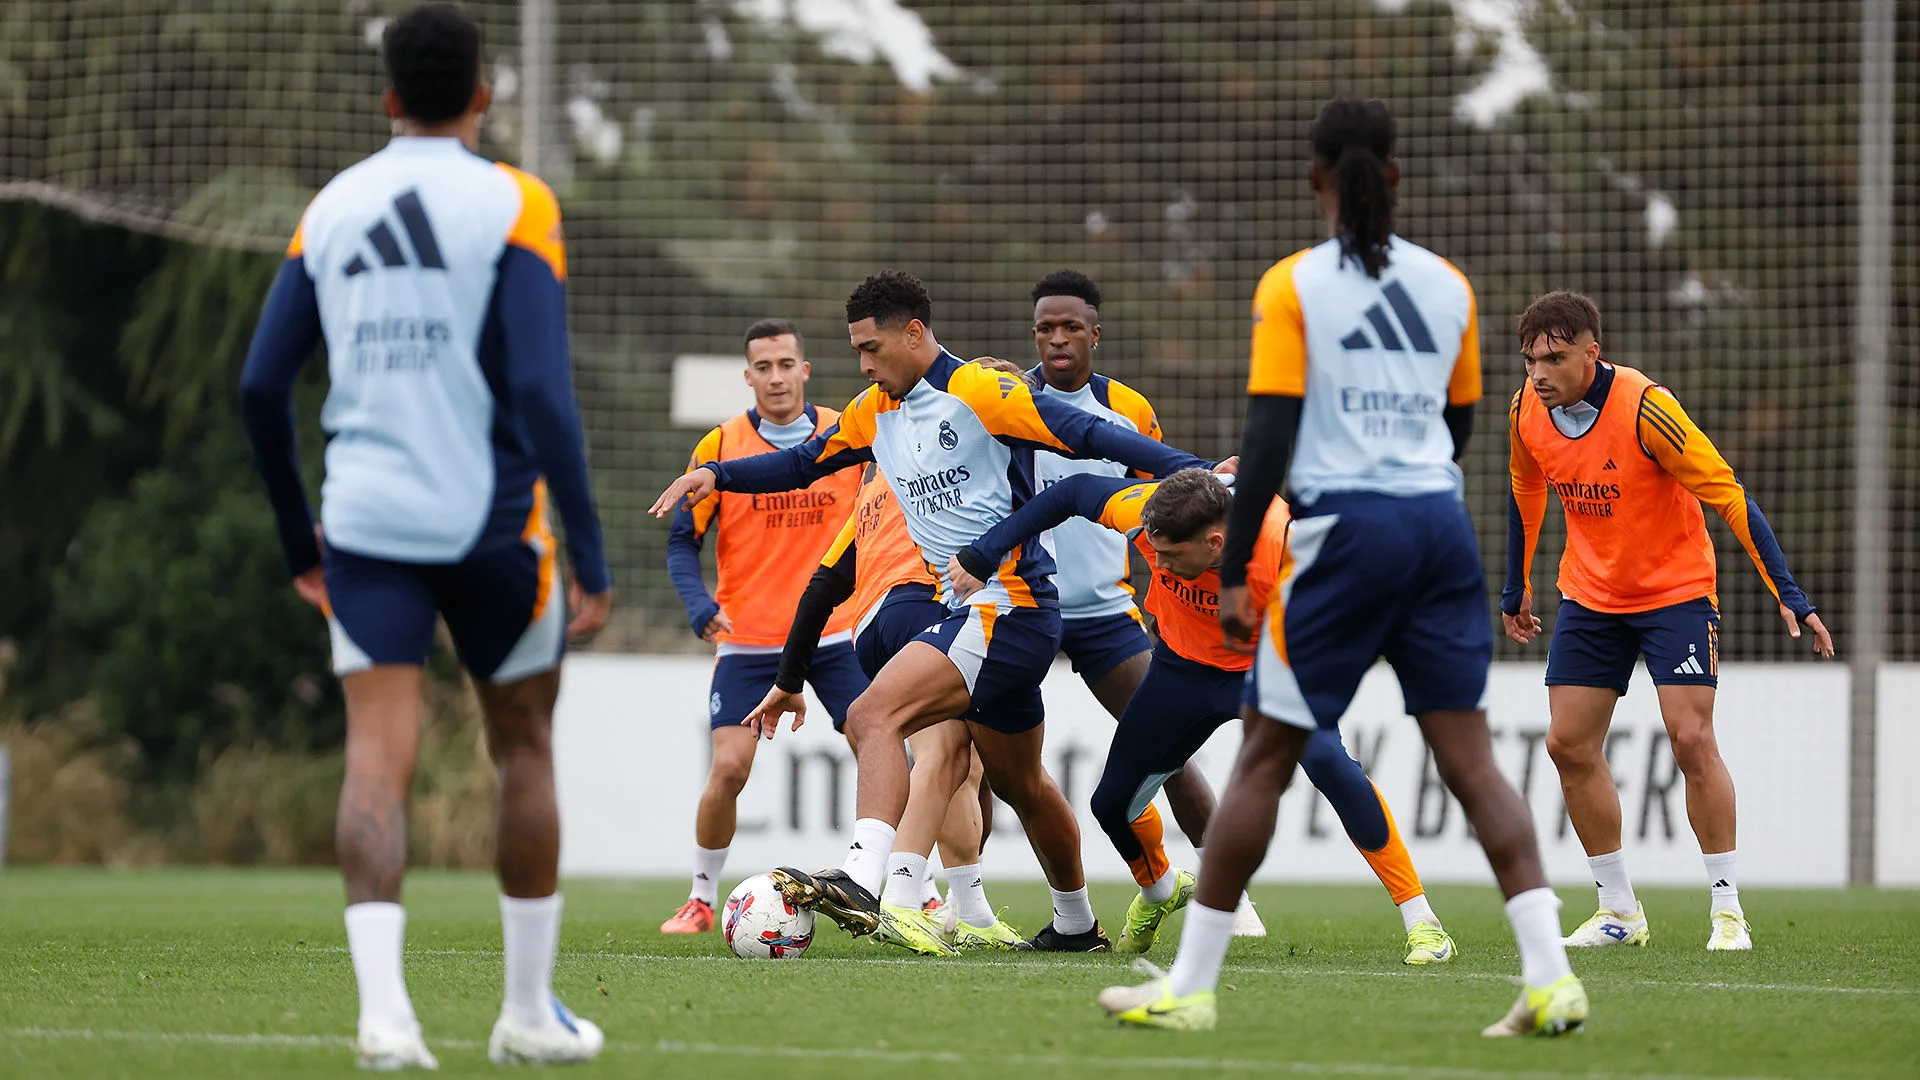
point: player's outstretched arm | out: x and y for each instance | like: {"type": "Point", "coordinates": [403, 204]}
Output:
{"type": "Point", "coordinates": [1682, 449]}
{"type": "Point", "coordinates": [287, 335]}
{"type": "Point", "coordinates": [1526, 510]}
{"type": "Point", "coordinates": [1082, 495]}
{"type": "Point", "coordinates": [843, 446]}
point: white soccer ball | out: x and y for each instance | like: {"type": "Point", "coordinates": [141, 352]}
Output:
{"type": "Point", "coordinates": [759, 924]}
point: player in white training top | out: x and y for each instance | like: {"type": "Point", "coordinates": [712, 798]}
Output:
{"type": "Point", "coordinates": [435, 280]}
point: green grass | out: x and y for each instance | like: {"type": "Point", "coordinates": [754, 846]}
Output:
{"type": "Point", "coordinates": [217, 973]}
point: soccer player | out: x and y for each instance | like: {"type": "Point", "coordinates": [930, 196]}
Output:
{"type": "Point", "coordinates": [436, 280]}
{"type": "Point", "coordinates": [893, 593]}
{"type": "Point", "coordinates": [766, 546]}
{"type": "Point", "coordinates": [1365, 370]}
{"type": "Point", "coordinates": [1194, 684]}
{"type": "Point", "coordinates": [1101, 630]}
{"type": "Point", "coordinates": [1638, 579]}
{"type": "Point", "coordinates": [955, 441]}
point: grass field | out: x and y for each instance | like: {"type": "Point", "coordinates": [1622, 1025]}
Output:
{"type": "Point", "coordinates": [218, 973]}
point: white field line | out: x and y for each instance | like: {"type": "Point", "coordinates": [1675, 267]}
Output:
{"type": "Point", "coordinates": [971, 1057]}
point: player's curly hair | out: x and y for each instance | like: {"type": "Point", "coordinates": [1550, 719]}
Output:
{"type": "Point", "coordinates": [432, 54]}
{"type": "Point", "coordinates": [1068, 283]}
{"type": "Point", "coordinates": [890, 298]}
{"type": "Point", "coordinates": [1560, 315]}
{"type": "Point", "coordinates": [1185, 505]}
{"type": "Point", "coordinates": [1353, 141]}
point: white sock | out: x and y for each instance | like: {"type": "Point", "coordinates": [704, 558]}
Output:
{"type": "Point", "coordinates": [707, 864]}
{"type": "Point", "coordinates": [929, 889]}
{"type": "Point", "coordinates": [967, 892]}
{"type": "Point", "coordinates": [1616, 891]}
{"type": "Point", "coordinates": [1072, 912]}
{"type": "Point", "coordinates": [1417, 910]}
{"type": "Point", "coordinates": [867, 857]}
{"type": "Point", "coordinates": [1203, 948]}
{"type": "Point", "coordinates": [904, 869]}
{"type": "Point", "coordinates": [1726, 891]}
{"type": "Point", "coordinates": [531, 931]}
{"type": "Point", "coordinates": [1535, 915]}
{"type": "Point", "coordinates": [376, 933]}
{"type": "Point", "coordinates": [1162, 888]}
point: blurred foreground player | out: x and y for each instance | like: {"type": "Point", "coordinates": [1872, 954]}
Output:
{"type": "Point", "coordinates": [1638, 579]}
{"type": "Point", "coordinates": [1365, 370]}
{"type": "Point", "coordinates": [765, 547]}
{"type": "Point", "coordinates": [435, 279]}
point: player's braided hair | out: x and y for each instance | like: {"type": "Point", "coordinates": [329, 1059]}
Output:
{"type": "Point", "coordinates": [890, 298]}
{"type": "Point", "coordinates": [432, 55]}
{"type": "Point", "coordinates": [1185, 505]}
{"type": "Point", "coordinates": [1353, 141]}
{"type": "Point", "coordinates": [1068, 283]}
{"type": "Point", "coordinates": [1560, 315]}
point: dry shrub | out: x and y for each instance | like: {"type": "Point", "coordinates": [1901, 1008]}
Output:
{"type": "Point", "coordinates": [70, 792]}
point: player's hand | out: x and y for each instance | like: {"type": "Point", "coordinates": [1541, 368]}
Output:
{"type": "Point", "coordinates": [1822, 641]}
{"type": "Point", "coordinates": [765, 717]}
{"type": "Point", "coordinates": [1523, 627]}
{"type": "Point", "coordinates": [689, 489]}
{"type": "Point", "coordinates": [312, 587]}
{"type": "Point", "coordinates": [1229, 467]}
{"type": "Point", "coordinates": [590, 611]}
{"type": "Point", "coordinates": [716, 626]}
{"type": "Point", "coordinates": [964, 584]}
{"type": "Point", "coordinates": [1238, 621]}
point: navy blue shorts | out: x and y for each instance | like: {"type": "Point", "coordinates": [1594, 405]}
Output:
{"type": "Point", "coordinates": [1098, 645]}
{"type": "Point", "coordinates": [741, 680]}
{"type": "Point", "coordinates": [1372, 577]}
{"type": "Point", "coordinates": [1004, 683]}
{"type": "Point", "coordinates": [1681, 644]}
{"type": "Point", "coordinates": [503, 607]}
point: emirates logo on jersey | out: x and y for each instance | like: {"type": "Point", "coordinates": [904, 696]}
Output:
{"type": "Point", "coordinates": [949, 438]}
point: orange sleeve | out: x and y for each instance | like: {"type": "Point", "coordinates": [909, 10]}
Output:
{"type": "Point", "coordinates": [1004, 404]}
{"type": "Point", "coordinates": [707, 450]}
{"type": "Point", "coordinates": [1464, 387]}
{"type": "Point", "coordinates": [1269, 552]}
{"type": "Point", "coordinates": [537, 229]}
{"type": "Point", "coordinates": [297, 246]}
{"type": "Point", "coordinates": [1279, 363]}
{"type": "Point", "coordinates": [1123, 509]}
{"type": "Point", "coordinates": [1528, 491]}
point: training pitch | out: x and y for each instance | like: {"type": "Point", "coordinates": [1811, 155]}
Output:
{"type": "Point", "coordinates": [231, 973]}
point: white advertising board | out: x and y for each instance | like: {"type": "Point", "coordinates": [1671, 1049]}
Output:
{"type": "Point", "coordinates": [631, 745]}
{"type": "Point", "coordinates": [1896, 833]}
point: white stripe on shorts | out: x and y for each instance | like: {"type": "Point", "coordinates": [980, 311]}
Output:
{"type": "Point", "coordinates": [348, 658]}
{"type": "Point", "coordinates": [969, 649]}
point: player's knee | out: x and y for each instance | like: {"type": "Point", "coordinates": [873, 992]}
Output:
{"type": "Point", "coordinates": [728, 775]}
{"type": "Point", "coordinates": [1574, 754]}
{"type": "Point", "coordinates": [867, 718]}
{"type": "Point", "coordinates": [1694, 748]}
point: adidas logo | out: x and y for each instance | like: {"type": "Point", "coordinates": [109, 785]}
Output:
{"type": "Point", "coordinates": [903, 871]}
{"type": "Point", "coordinates": [1723, 883]}
{"type": "Point", "coordinates": [413, 219]}
{"type": "Point", "coordinates": [1411, 324]}
{"type": "Point", "coordinates": [1690, 666]}
{"type": "Point", "coordinates": [1608, 465]}
{"type": "Point", "coordinates": [701, 877]}
{"type": "Point", "coordinates": [856, 847]}
{"type": "Point", "coordinates": [976, 883]}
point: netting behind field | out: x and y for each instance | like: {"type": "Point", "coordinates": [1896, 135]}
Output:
{"type": "Point", "coordinates": [1689, 165]}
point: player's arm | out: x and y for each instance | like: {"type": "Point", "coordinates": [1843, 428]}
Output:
{"type": "Point", "coordinates": [1015, 415]}
{"type": "Point", "coordinates": [684, 540]}
{"type": "Point", "coordinates": [1134, 405]}
{"type": "Point", "coordinates": [1526, 511]}
{"type": "Point", "coordinates": [287, 335]}
{"type": "Point", "coordinates": [846, 444]}
{"type": "Point", "coordinates": [1464, 388]}
{"type": "Point", "coordinates": [530, 312]}
{"type": "Point", "coordinates": [832, 583]}
{"type": "Point", "coordinates": [1105, 499]}
{"type": "Point", "coordinates": [1670, 436]}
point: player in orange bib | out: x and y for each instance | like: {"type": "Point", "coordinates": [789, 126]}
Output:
{"type": "Point", "coordinates": [875, 570]}
{"type": "Point", "coordinates": [1194, 684]}
{"type": "Point", "coordinates": [1638, 579]}
{"type": "Point", "coordinates": [765, 546]}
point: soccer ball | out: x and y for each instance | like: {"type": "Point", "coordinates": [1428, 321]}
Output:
{"type": "Point", "coordinates": [759, 924]}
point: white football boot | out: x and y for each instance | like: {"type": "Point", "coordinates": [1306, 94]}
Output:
{"type": "Point", "coordinates": [1729, 932]}
{"type": "Point", "coordinates": [564, 1039]}
{"type": "Point", "coordinates": [392, 1049]}
{"type": "Point", "coordinates": [1611, 928]}
{"type": "Point", "coordinates": [1246, 921]}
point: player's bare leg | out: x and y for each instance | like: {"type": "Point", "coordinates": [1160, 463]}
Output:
{"type": "Point", "coordinates": [1011, 764]}
{"type": "Point", "coordinates": [967, 918]}
{"type": "Point", "coordinates": [1576, 741]}
{"type": "Point", "coordinates": [1688, 712]}
{"type": "Point", "coordinates": [919, 687]}
{"type": "Point", "coordinates": [941, 756]}
{"type": "Point", "coordinates": [714, 823]}
{"type": "Point", "coordinates": [1243, 823]}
